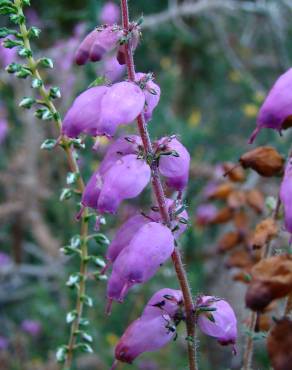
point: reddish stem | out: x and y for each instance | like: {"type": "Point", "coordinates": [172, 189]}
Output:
{"type": "Point", "coordinates": [160, 198]}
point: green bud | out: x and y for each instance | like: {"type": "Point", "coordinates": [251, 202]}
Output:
{"type": "Point", "coordinates": [83, 321]}
{"type": "Point", "coordinates": [87, 337]}
{"type": "Point", "coordinates": [73, 280]}
{"type": "Point", "coordinates": [6, 8]}
{"type": "Point", "coordinates": [46, 63]}
{"type": "Point", "coordinates": [44, 114]}
{"type": "Point", "coordinates": [87, 300]}
{"type": "Point", "coordinates": [17, 18]}
{"type": "Point", "coordinates": [36, 83]}
{"type": "Point", "coordinates": [55, 92]}
{"type": "Point", "coordinates": [75, 241]}
{"type": "Point", "coordinates": [27, 103]}
{"type": "Point", "coordinates": [34, 32]}
{"type": "Point", "coordinates": [49, 144]}
{"type": "Point", "coordinates": [13, 67]}
{"type": "Point", "coordinates": [72, 177]}
{"type": "Point", "coordinates": [84, 347]}
{"type": "Point", "coordinates": [71, 316]}
{"type": "Point", "coordinates": [24, 52]}
{"type": "Point", "coordinates": [100, 239]}
{"type": "Point", "coordinates": [61, 354]}
{"type": "Point", "coordinates": [26, 2]}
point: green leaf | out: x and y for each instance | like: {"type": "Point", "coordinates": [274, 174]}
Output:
{"type": "Point", "coordinates": [84, 347]}
{"type": "Point", "coordinates": [99, 81]}
{"type": "Point", "coordinates": [27, 102]}
{"type": "Point", "coordinates": [78, 144]}
{"type": "Point", "coordinates": [69, 251]}
{"type": "Point", "coordinates": [4, 32]}
{"type": "Point", "coordinates": [6, 8]}
{"type": "Point", "coordinates": [87, 337]}
{"type": "Point", "coordinates": [71, 316]}
{"type": "Point", "coordinates": [72, 178]}
{"type": "Point", "coordinates": [100, 239]}
{"type": "Point", "coordinates": [24, 72]}
{"type": "Point", "coordinates": [24, 52]}
{"type": "Point", "coordinates": [61, 354]}
{"type": "Point", "coordinates": [55, 92]}
{"type": "Point", "coordinates": [66, 194]}
{"type": "Point", "coordinates": [87, 300]}
{"type": "Point", "coordinates": [98, 261]}
{"type": "Point", "coordinates": [46, 63]}
{"type": "Point", "coordinates": [17, 18]}
{"type": "Point", "coordinates": [49, 144]}
{"type": "Point", "coordinates": [10, 44]}
{"type": "Point", "coordinates": [26, 2]}
{"type": "Point", "coordinates": [73, 280]}
{"type": "Point", "coordinates": [34, 32]}
{"type": "Point", "coordinates": [83, 321]}
{"type": "Point", "coordinates": [36, 83]}
{"type": "Point", "coordinates": [75, 241]}
{"type": "Point", "coordinates": [13, 67]}
{"type": "Point", "coordinates": [44, 114]}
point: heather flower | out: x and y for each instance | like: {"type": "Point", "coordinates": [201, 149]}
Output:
{"type": "Point", "coordinates": [206, 213]}
{"type": "Point", "coordinates": [276, 111]}
{"type": "Point", "coordinates": [150, 247]}
{"type": "Point", "coordinates": [112, 70]}
{"type": "Point", "coordinates": [97, 43]}
{"type": "Point", "coordinates": [174, 167]}
{"type": "Point", "coordinates": [31, 327]}
{"type": "Point", "coordinates": [110, 13]}
{"type": "Point", "coordinates": [146, 334]}
{"type": "Point", "coordinates": [220, 323]}
{"type": "Point", "coordinates": [84, 114]}
{"type": "Point", "coordinates": [285, 196]}
{"type": "Point", "coordinates": [165, 301]}
{"type": "Point", "coordinates": [124, 179]}
{"type": "Point", "coordinates": [101, 109]}
{"type": "Point", "coordinates": [151, 91]}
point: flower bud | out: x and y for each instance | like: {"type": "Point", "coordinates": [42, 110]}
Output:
{"type": "Point", "coordinates": [285, 196]}
{"type": "Point", "coordinates": [125, 179]}
{"type": "Point", "coordinates": [276, 111]}
{"type": "Point", "coordinates": [150, 247]}
{"type": "Point", "coordinates": [265, 160]}
{"type": "Point", "coordinates": [152, 94]}
{"type": "Point", "coordinates": [174, 168]}
{"type": "Point", "coordinates": [110, 13]}
{"type": "Point", "coordinates": [146, 334]}
{"type": "Point", "coordinates": [220, 323]}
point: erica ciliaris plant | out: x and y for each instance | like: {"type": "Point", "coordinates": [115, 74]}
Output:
{"type": "Point", "coordinates": [146, 240]}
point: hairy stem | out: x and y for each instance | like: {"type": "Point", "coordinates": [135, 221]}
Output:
{"type": "Point", "coordinates": [73, 166]}
{"type": "Point", "coordinates": [160, 197]}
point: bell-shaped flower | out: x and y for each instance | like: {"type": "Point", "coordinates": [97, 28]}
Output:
{"type": "Point", "coordinates": [121, 105]}
{"type": "Point", "coordinates": [206, 213]}
{"type": "Point", "coordinates": [165, 301]}
{"type": "Point", "coordinates": [286, 196]}
{"type": "Point", "coordinates": [217, 319]}
{"type": "Point", "coordinates": [112, 70]}
{"type": "Point", "coordinates": [100, 110]}
{"type": "Point", "coordinates": [97, 43]}
{"type": "Point", "coordinates": [150, 247]}
{"type": "Point", "coordinates": [276, 111]}
{"type": "Point", "coordinates": [125, 179]}
{"type": "Point", "coordinates": [174, 166]}
{"type": "Point", "coordinates": [83, 116]}
{"type": "Point", "coordinates": [146, 334]}
{"type": "Point", "coordinates": [110, 13]}
{"type": "Point", "coordinates": [151, 91]}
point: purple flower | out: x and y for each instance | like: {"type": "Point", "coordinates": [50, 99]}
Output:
{"type": "Point", "coordinates": [286, 194]}
{"type": "Point", "coordinates": [124, 179]}
{"type": "Point", "coordinates": [4, 343]}
{"type": "Point", "coordinates": [276, 111]}
{"type": "Point", "coordinates": [205, 213]}
{"type": "Point", "coordinates": [110, 13]}
{"type": "Point", "coordinates": [151, 91]}
{"type": "Point", "coordinates": [100, 110]}
{"type": "Point", "coordinates": [112, 69]}
{"type": "Point", "coordinates": [97, 43]}
{"type": "Point", "coordinates": [4, 259]}
{"type": "Point", "coordinates": [31, 327]}
{"type": "Point", "coordinates": [174, 167]}
{"type": "Point", "coordinates": [165, 301]}
{"type": "Point", "coordinates": [146, 334]}
{"type": "Point", "coordinates": [221, 323]}
{"type": "Point", "coordinates": [150, 247]}
{"type": "Point", "coordinates": [84, 114]}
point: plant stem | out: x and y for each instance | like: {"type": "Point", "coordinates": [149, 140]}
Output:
{"type": "Point", "coordinates": [160, 198]}
{"type": "Point", "coordinates": [73, 166]}
{"type": "Point", "coordinates": [288, 307]}
{"type": "Point", "coordinates": [254, 316]}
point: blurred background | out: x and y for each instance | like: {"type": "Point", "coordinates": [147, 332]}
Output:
{"type": "Point", "coordinates": [214, 62]}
